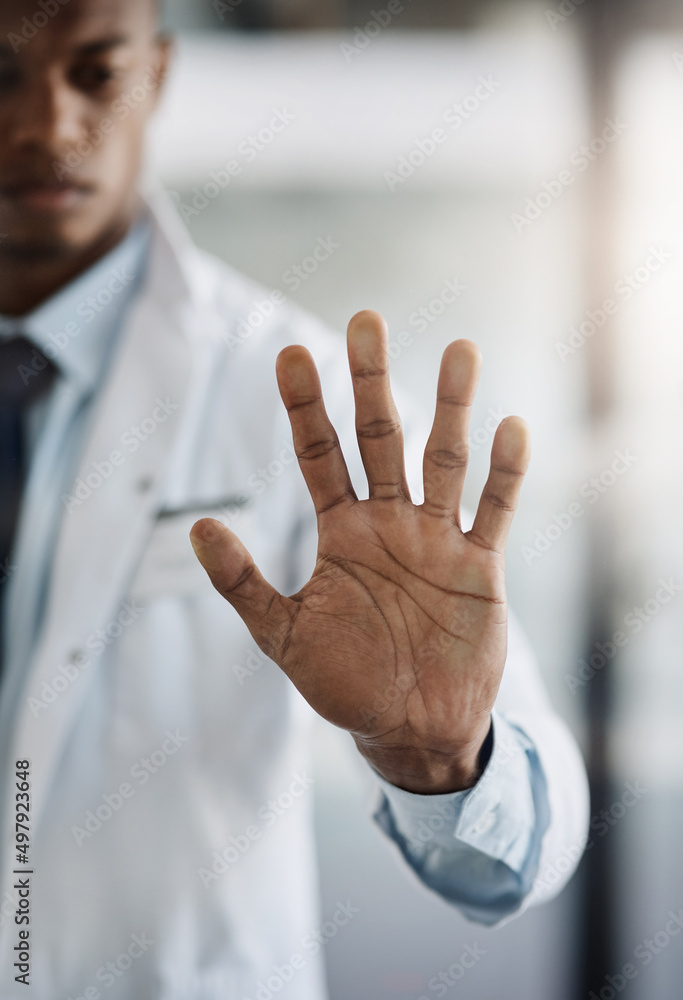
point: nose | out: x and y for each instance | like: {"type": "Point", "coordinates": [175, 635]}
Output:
{"type": "Point", "coordinates": [47, 118]}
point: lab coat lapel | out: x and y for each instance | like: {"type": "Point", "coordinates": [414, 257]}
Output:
{"type": "Point", "coordinates": [101, 539]}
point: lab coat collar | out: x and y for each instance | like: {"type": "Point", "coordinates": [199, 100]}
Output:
{"type": "Point", "coordinates": [76, 327]}
{"type": "Point", "coordinates": [100, 540]}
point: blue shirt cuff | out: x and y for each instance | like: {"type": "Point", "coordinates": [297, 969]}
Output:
{"type": "Point", "coordinates": [496, 817]}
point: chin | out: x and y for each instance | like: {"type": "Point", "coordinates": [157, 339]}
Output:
{"type": "Point", "coordinates": [40, 247]}
{"type": "Point", "coordinates": [51, 239]}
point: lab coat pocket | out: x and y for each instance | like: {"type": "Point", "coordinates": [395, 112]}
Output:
{"type": "Point", "coordinates": [169, 566]}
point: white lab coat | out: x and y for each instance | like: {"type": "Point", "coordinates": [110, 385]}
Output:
{"type": "Point", "coordinates": [155, 742]}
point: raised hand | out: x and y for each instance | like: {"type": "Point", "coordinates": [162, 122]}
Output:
{"type": "Point", "coordinates": [400, 635]}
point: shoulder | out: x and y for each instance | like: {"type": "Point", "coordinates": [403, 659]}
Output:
{"type": "Point", "coordinates": [238, 327]}
{"type": "Point", "coordinates": [252, 321]}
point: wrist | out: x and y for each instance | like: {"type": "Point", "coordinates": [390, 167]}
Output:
{"type": "Point", "coordinates": [429, 772]}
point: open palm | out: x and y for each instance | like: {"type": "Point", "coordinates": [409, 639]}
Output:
{"type": "Point", "coordinates": [400, 635]}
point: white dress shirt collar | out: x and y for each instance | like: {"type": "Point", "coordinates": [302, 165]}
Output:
{"type": "Point", "coordinates": [75, 328]}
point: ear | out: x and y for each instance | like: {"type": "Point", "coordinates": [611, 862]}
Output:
{"type": "Point", "coordinates": [164, 47]}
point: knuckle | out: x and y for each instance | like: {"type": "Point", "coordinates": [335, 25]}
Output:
{"type": "Point", "coordinates": [448, 458]}
{"type": "Point", "coordinates": [378, 428]}
{"type": "Point", "coordinates": [453, 401]}
{"type": "Point", "coordinates": [319, 449]}
{"type": "Point", "coordinates": [369, 373]}
{"type": "Point", "coordinates": [243, 577]}
{"type": "Point", "coordinates": [508, 470]}
{"type": "Point", "coordinates": [432, 508]}
{"type": "Point", "coordinates": [495, 500]}
{"type": "Point", "coordinates": [302, 402]}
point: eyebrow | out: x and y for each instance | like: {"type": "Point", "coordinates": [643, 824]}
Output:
{"type": "Point", "coordinates": [103, 45]}
{"type": "Point", "coordinates": [97, 48]}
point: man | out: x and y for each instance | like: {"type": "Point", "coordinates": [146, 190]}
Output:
{"type": "Point", "coordinates": [156, 803]}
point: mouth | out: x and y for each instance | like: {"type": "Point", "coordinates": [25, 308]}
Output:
{"type": "Point", "coordinates": [45, 196]}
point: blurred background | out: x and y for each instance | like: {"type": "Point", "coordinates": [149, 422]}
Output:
{"type": "Point", "coordinates": [553, 201]}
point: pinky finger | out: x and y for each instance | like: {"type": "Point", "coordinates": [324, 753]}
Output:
{"type": "Point", "coordinates": [509, 462]}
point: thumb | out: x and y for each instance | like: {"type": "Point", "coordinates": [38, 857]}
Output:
{"type": "Point", "coordinates": [236, 577]}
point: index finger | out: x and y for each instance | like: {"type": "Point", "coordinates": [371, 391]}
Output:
{"type": "Point", "coordinates": [315, 440]}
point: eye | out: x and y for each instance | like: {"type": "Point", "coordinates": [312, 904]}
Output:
{"type": "Point", "coordinates": [94, 78]}
{"type": "Point", "coordinates": [9, 76]}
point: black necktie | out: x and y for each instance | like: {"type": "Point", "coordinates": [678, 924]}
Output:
{"type": "Point", "coordinates": [25, 374]}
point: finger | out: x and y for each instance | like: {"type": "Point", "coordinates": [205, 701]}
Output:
{"type": "Point", "coordinates": [509, 462]}
{"type": "Point", "coordinates": [447, 451]}
{"type": "Point", "coordinates": [315, 440]}
{"type": "Point", "coordinates": [378, 426]}
{"type": "Point", "coordinates": [232, 571]}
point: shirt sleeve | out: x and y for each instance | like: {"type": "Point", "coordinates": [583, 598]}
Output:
{"type": "Point", "coordinates": [516, 837]}
{"type": "Point", "coordinates": [479, 848]}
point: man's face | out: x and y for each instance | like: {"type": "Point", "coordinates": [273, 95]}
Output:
{"type": "Point", "coordinates": [78, 82]}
